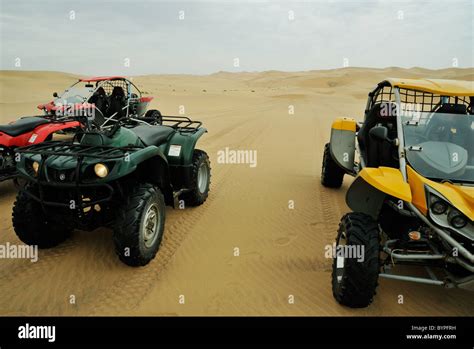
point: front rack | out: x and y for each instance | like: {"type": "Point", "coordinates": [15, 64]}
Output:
{"type": "Point", "coordinates": [62, 148]}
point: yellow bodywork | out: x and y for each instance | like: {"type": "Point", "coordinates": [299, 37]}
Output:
{"type": "Point", "coordinates": [344, 124]}
{"type": "Point", "coordinates": [388, 180]}
{"type": "Point", "coordinates": [461, 197]}
{"type": "Point", "coordinates": [436, 86]}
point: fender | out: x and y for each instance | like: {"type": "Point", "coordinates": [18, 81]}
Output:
{"type": "Point", "coordinates": [342, 144]}
{"type": "Point", "coordinates": [184, 142]}
{"type": "Point", "coordinates": [38, 135]}
{"type": "Point", "coordinates": [151, 165]}
{"type": "Point", "coordinates": [42, 132]}
{"type": "Point", "coordinates": [136, 158]}
{"type": "Point", "coordinates": [461, 197]}
{"type": "Point", "coordinates": [370, 188]}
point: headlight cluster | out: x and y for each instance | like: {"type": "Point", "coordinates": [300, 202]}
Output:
{"type": "Point", "coordinates": [100, 170]}
{"type": "Point", "coordinates": [439, 206]}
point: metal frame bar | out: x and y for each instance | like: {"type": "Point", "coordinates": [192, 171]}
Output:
{"type": "Point", "coordinates": [462, 250]}
{"type": "Point", "coordinates": [413, 279]}
{"type": "Point", "coordinates": [412, 256]}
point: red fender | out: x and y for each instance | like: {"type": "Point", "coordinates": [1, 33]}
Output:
{"type": "Point", "coordinates": [38, 135]}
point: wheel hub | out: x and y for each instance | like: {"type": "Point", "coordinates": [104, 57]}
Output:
{"type": "Point", "coordinates": [340, 259]}
{"type": "Point", "coordinates": [150, 225]}
{"type": "Point", "coordinates": [202, 178]}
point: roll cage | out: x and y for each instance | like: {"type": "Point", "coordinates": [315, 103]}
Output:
{"type": "Point", "coordinates": [410, 100]}
{"type": "Point", "coordinates": [134, 102]}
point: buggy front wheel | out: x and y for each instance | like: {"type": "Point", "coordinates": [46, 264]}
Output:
{"type": "Point", "coordinates": [356, 265]}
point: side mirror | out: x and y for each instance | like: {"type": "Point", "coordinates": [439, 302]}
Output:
{"type": "Point", "coordinates": [55, 95]}
{"type": "Point", "coordinates": [380, 133]}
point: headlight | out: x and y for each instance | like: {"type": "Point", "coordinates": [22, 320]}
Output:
{"type": "Point", "coordinates": [101, 170]}
{"type": "Point", "coordinates": [446, 215]}
{"type": "Point", "coordinates": [439, 207]}
{"type": "Point", "coordinates": [35, 167]}
{"type": "Point", "coordinates": [456, 219]}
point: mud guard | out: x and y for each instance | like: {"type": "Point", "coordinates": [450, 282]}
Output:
{"type": "Point", "coordinates": [180, 148]}
{"type": "Point", "coordinates": [179, 151]}
{"type": "Point", "coordinates": [369, 190]}
{"type": "Point", "coordinates": [342, 144]}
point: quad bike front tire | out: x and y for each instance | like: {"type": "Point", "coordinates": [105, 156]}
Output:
{"type": "Point", "coordinates": [355, 280]}
{"type": "Point", "coordinates": [200, 179]}
{"type": "Point", "coordinates": [33, 227]}
{"type": "Point", "coordinates": [331, 174]}
{"type": "Point", "coordinates": [139, 225]}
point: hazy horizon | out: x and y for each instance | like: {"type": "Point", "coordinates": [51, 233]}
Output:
{"type": "Point", "coordinates": [204, 37]}
{"type": "Point", "coordinates": [231, 72]}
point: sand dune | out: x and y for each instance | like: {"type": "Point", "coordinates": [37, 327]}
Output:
{"type": "Point", "coordinates": [281, 249]}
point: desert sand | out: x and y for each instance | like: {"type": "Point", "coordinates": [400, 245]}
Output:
{"type": "Point", "coordinates": [281, 249]}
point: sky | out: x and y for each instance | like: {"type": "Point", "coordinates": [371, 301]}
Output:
{"type": "Point", "coordinates": [202, 37]}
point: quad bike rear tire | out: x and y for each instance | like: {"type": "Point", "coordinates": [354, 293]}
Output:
{"type": "Point", "coordinates": [200, 179]}
{"type": "Point", "coordinates": [32, 226]}
{"type": "Point", "coordinates": [331, 174]}
{"type": "Point", "coordinates": [354, 281]}
{"type": "Point", "coordinates": [139, 225]}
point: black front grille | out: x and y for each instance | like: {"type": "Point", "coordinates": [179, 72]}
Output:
{"type": "Point", "coordinates": [61, 176]}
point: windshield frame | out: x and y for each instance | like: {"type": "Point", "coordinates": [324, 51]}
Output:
{"type": "Point", "coordinates": [62, 99]}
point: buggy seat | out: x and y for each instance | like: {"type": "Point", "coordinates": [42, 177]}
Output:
{"type": "Point", "coordinates": [378, 153]}
{"type": "Point", "coordinates": [116, 103]}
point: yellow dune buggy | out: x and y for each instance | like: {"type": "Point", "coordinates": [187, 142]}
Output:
{"type": "Point", "coordinates": [413, 194]}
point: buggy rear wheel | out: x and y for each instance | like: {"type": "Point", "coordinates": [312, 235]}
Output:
{"type": "Point", "coordinates": [155, 114]}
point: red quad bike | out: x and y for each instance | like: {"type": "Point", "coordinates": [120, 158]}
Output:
{"type": "Point", "coordinates": [26, 131]}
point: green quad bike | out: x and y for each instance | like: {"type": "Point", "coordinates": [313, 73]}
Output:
{"type": "Point", "coordinates": [119, 177]}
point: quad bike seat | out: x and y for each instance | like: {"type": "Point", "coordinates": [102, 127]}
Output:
{"type": "Point", "coordinates": [153, 135]}
{"type": "Point", "coordinates": [22, 125]}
